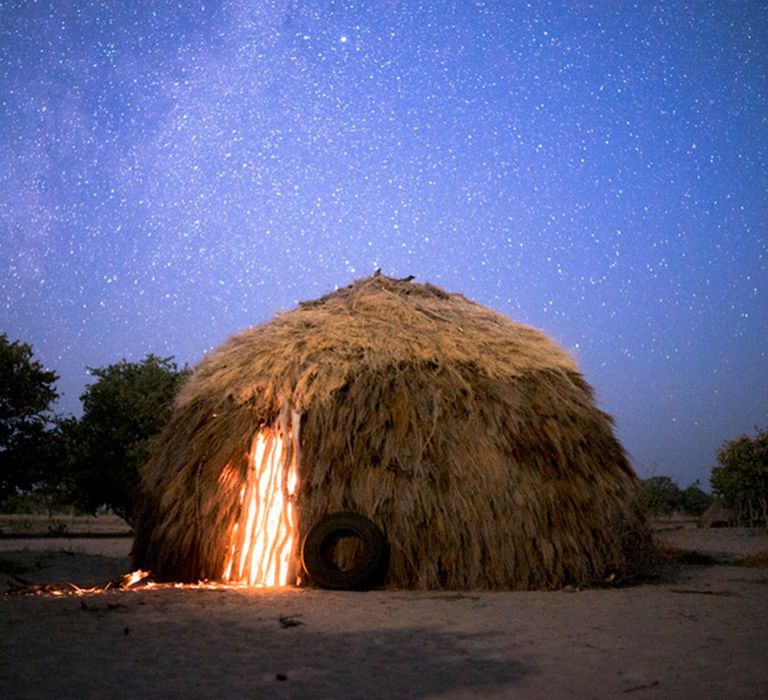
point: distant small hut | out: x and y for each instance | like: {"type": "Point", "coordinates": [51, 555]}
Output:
{"type": "Point", "coordinates": [472, 441]}
{"type": "Point", "coordinates": [717, 515]}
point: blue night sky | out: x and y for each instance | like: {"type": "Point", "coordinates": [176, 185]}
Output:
{"type": "Point", "coordinates": [175, 172]}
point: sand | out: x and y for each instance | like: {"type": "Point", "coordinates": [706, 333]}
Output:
{"type": "Point", "coordinates": [701, 633]}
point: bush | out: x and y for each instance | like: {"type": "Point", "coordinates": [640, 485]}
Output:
{"type": "Point", "coordinates": [694, 500]}
{"type": "Point", "coordinates": [658, 495]}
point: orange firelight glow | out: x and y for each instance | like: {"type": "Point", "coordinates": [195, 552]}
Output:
{"type": "Point", "coordinates": [262, 539]}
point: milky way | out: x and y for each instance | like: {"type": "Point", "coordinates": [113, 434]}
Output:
{"type": "Point", "coordinates": [173, 173]}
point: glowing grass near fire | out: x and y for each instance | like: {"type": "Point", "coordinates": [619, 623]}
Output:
{"type": "Point", "coordinates": [126, 582]}
{"type": "Point", "coordinates": [135, 581]}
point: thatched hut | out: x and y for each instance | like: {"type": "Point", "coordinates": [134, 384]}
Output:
{"type": "Point", "coordinates": [472, 441]}
{"type": "Point", "coordinates": [717, 515]}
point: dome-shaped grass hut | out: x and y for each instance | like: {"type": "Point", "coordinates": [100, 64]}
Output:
{"type": "Point", "coordinates": [472, 441]}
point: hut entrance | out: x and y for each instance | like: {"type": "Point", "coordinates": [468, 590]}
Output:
{"type": "Point", "coordinates": [263, 537]}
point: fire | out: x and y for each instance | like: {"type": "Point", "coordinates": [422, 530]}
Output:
{"type": "Point", "coordinates": [261, 544]}
{"type": "Point", "coordinates": [133, 578]}
{"type": "Point", "coordinates": [126, 582]}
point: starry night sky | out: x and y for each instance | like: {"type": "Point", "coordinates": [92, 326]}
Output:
{"type": "Point", "coordinates": [175, 172]}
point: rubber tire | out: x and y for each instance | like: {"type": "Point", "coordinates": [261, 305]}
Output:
{"type": "Point", "coordinates": [325, 533]}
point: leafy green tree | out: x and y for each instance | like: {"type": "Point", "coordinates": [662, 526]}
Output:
{"type": "Point", "coordinates": [27, 390]}
{"type": "Point", "coordinates": [123, 411]}
{"type": "Point", "coordinates": [694, 500]}
{"type": "Point", "coordinates": [658, 495]}
{"type": "Point", "coordinates": [741, 479]}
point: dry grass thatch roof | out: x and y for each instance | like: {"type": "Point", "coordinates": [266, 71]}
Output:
{"type": "Point", "coordinates": [471, 440]}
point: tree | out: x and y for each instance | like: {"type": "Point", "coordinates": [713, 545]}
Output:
{"type": "Point", "coordinates": [27, 390]}
{"type": "Point", "coordinates": [123, 411]}
{"type": "Point", "coordinates": [694, 500]}
{"type": "Point", "coordinates": [741, 479]}
{"type": "Point", "coordinates": [658, 495]}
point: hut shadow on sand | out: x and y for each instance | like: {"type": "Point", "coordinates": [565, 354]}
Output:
{"type": "Point", "coordinates": [472, 441]}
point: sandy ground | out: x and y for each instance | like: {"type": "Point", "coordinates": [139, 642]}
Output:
{"type": "Point", "coordinates": [701, 633]}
